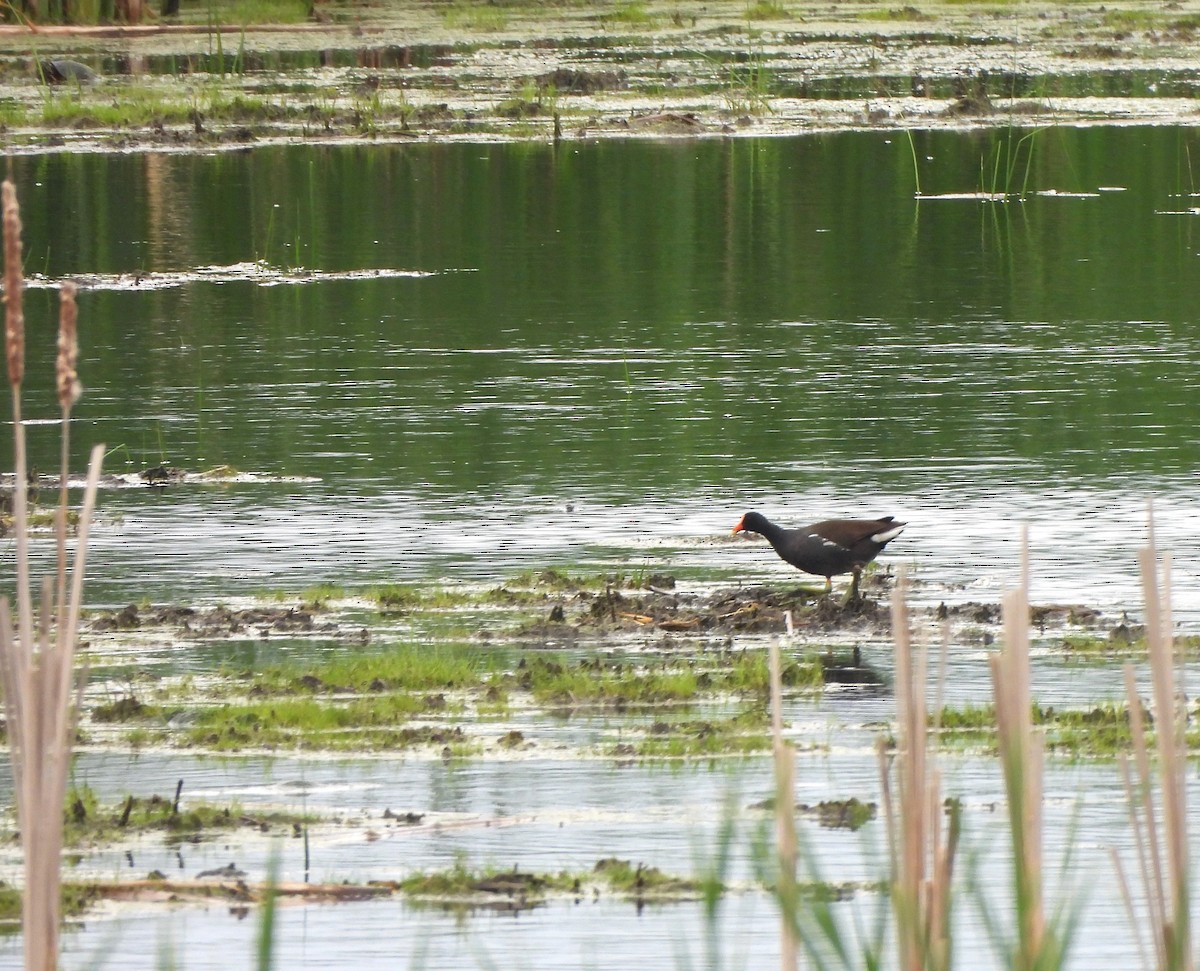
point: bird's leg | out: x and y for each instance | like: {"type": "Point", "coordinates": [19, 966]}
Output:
{"type": "Point", "coordinates": [852, 594]}
{"type": "Point", "coordinates": [828, 586]}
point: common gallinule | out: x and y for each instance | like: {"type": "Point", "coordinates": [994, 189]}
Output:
{"type": "Point", "coordinates": [827, 549]}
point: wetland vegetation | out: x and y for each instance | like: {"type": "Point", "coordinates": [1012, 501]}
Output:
{"type": "Point", "coordinates": [202, 80]}
{"type": "Point", "coordinates": [499, 532]}
{"type": "Point", "coordinates": [432, 669]}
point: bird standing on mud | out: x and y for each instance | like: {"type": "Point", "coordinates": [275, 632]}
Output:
{"type": "Point", "coordinates": [828, 548]}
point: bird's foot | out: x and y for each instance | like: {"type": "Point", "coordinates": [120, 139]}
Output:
{"type": "Point", "coordinates": [852, 594]}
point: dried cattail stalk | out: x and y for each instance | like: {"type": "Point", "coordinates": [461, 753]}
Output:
{"type": "Point", "coordinates": [1141, 808]}
{"type": "Point", "coordinates": [67, 379]}
{"type": "Point", "coordinates": [921, 854]}
{"type": "Point", "coordinates": [1163, 848]}
{"type": "Point", "coordinates": [14, 314]}
{"type": "Point", "coordinates": [14, 331]}
{"type": "Point", "coordinates": [69, 390]}
{"type": "Point", "coordinates": [37, 658]}
{"type": "Point", "coordinates": [785, 818]}
{"type": "Point", "coordinates": [1021, 757]}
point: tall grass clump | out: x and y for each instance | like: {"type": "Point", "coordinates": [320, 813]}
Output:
{"type": "Point", "coordinates": [921, 844]}
{"type": "Point", "coordinates": [1160, 835]}
{"type": "Point", "coordinates": [37, 657]}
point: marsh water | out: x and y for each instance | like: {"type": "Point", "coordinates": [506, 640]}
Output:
{"type": "Point", "coordinates": [452, 362]}
{"type": "Point", "coordinates": [479, 356]}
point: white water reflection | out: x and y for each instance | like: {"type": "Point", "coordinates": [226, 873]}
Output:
{"type": "Point", "coordinates": [961, 544]}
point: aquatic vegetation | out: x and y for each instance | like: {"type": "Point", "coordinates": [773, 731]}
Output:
{"type": "Point", "coordinates": [402, 668]}
{"type": "Point", "coordinates": [906, 13]}
{"type": "Point", "coordinates": [747, 90]}
{"type": "Point", "coordinates": [368, 698]}
{"type": "Point", "coordinates": [393, 596]}
{"type": "Point", "coordinates": [472, 17]}
{"type": "Point", "coordinates": [88, 822]}
{"type": "Point", "coordinates": [1125, 19]}
{"type": "Point", "coordinates": [246, 12]}
{"type": "Point", "coordinates": [562, 683]}
{"type": "Point", "coordinates": [1099, 730]}
{"type": "Point", "coordinates": [672, 680]}
{"type": "Point", "coordinates": [632, 13]}
{"type": "Point", "coordinates": [318, 597]}
{"type": "Point", "coordinates": [767, 10]}
{"type": "Point", "coordinates": [75, 900]}
{"type": "Point", "coordinates": [126, 709]}
{"type": "Point", "coordinates": [742, 734]}
{"type": "Point", "coordinates": [924, 829]}
{"type": "Point", "coordinates": [286, 723]}
{"type": "Point", "coordinates": [852, 814]}
{"type": "Point", "coordinates": [620, 877]}
{"type": "Point", "coordinates": [140, 105]}
{"type": "Point", "coordinates": [556, 580]}
{"type": "Point", "coordinates": [1124, 640]}
{"type": "Point", "coordinates": [641, 881]}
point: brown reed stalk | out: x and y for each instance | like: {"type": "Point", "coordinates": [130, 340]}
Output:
{"type": "Point", "coordinates": [68, 387]}
{"type": "Point", "coordinates": [36, 663]}
{"type": "Point", "coordinates": [1162, 850]}
{"type": "Point", "coordinates": [921, 853]}
{"type": "Point", "coordinates": [1022, 757]}
{"type": "Point", "coordinates": [14, 352]}
{"type": "Point", "coordinates": [785, 818]}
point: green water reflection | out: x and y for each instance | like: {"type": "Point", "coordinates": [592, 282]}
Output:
{"type": "Point", "coordinates": [695, 315]}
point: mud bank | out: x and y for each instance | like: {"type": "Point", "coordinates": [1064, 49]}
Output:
{"type": "Point", "coordinates": [506, 72]}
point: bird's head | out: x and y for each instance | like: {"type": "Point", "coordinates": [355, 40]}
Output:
{"type": "Point", "coordinates": [751, 521]}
